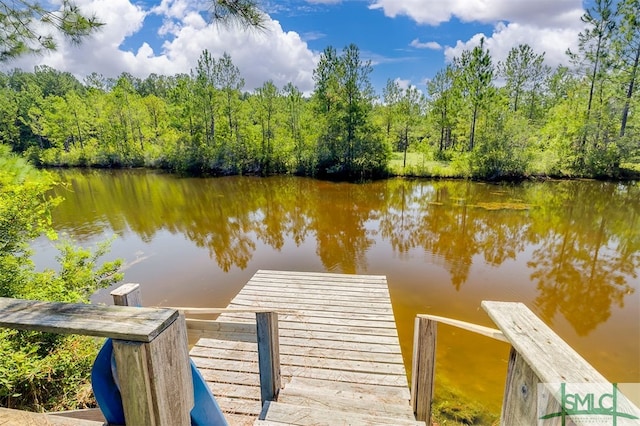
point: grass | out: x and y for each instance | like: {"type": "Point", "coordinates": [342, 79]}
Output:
{"type": "Point", "coordinates": [631, 167]}
{"type": "Point", "coordinates": [418, 166]}
{"type": "Point", "coordinates": [452, 408]}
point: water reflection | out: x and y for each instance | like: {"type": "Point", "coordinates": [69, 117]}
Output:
{"type": "Point", "coordinates": [586, 234]}
{"type": "Point", "coordinates": [456, 221]}
{"type": "Point", "coordinates": [570, 250]}
{"type": "Point", "coordinates": [589, 251]}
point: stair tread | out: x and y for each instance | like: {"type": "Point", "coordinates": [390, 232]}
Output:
{"type": "Point", "coordinates": [398, 395]}
{"type": "Point", "coordinates": [290, 414]}
{"type": "Point", "coordinates": [342, 401]}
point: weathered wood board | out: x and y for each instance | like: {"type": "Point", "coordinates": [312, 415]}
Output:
{"type": "Point", "coordinates": [338, 340]}
{"type": "Point", "coordinates": [117, 322]}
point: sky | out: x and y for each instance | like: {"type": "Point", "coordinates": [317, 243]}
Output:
{"type": "Point", "coordinates": [405, 40]}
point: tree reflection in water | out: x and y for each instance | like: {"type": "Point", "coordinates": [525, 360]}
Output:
{"type": "Point", "coordinates": [569, 249]}
{"type": "Point", "coordinates": [585, 235]}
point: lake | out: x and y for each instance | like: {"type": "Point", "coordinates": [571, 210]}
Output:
{"type": "Point", "coordinates": [569, 250]}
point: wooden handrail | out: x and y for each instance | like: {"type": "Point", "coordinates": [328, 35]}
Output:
{"type": "Point", "coordinates": [118, 322]}
{"type": "Point", "coordinates": [264, 332]}
{"type": "Point", "coordinates": [145, 341]}
{"type": "Point", "coordinates": [424, 357]}
{"type": "Point", "coordinates": [475, 328]}
{"type": "Point", "coordinates": [539, 362]}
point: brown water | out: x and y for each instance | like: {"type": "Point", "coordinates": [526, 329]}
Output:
{"type": "Point", "coordinates": [569, 250]}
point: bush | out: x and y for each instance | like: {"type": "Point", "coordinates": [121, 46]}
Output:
{"type": "Point", "coordinates": [43, 371]}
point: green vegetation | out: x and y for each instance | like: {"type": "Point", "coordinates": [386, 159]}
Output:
{"type": "Point", "coordinates": [452, 408]}
{"type": "Point", "coordinates": [478, 119]}
{"type": "Point", "coordinates": [27, 27]}
{"type": "Point", "coordinates": [48, 109]}
{"type": "Point", "coordinates": [39, 370]}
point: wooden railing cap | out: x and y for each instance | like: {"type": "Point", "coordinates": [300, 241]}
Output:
{"type": "Point", "coordinates": [118, 322]}
{"type": "Point", "coordinates": [550, 357]}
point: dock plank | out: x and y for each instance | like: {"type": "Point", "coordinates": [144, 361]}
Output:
{"type": "Point", "coordinates": [338, 340]}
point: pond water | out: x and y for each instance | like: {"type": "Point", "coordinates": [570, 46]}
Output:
{"type": "Point", "coordinates": [569, 250]}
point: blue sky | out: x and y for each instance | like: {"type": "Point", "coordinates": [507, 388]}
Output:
{"type": "Point", "coordinates": [405, 40]}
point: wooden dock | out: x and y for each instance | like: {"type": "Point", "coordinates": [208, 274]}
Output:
{"type": "Point", "coordinates": [339, 352]}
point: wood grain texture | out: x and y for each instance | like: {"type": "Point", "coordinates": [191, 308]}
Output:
{"type": "Point", "coordinates": [118, 322]}
{"type": "Point", "coordinates": [550, 357]}
{"type": "Point", "coordinates": [315, 416]}
{"type": "Point", "coordinates": [268, 356]}
{"type": "Point", "coordinates": [168, 352]}
{"type": "Point", "coordinates": [155, 378]}
{"type": "Point", "coordinates": [540, 356]}
{"type": "Point", "coordinates": [127, 295]}
{"type": "Point", "coordinates": [338, 347]}
{"type": "Point", "coordinates": [423, 367]}
{"type": "Point", "coordinates": [9, 417]}
{"type": "Point", "coordinates": [475, 328]}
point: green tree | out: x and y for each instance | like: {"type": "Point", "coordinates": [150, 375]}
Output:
{"type": "Point", "coordinates": [594, 56]}
{"type": "Point", "coordinates": [54, 82]}
{"type": "Point", "coordinates": [28, 94]}
{"type": "Point", "coordinates": [594, 45]}
{"type": "Point", "coordinates": [523, 71]}
{"type": "Point", "coordinates": [411, 109]}
{"type": "Point", "coordinates": [475, 71]}
{"type": "Point", "coordinates": [186, 156]}
{"type": "Point", "coordinates": [294, 109]}
{"type": "Point", "coordinates": [79, 117]}
{"type": "Point", "coordinates": [444, 95]}
{"type": "Point", "coordinates": [230, 82]}
{"type": "Point", "coordinates": [391, 95]}
{"type": "Point", "coordinates": [627, 43]}
{"type": "Point", "coordinates": [267, 97]}
{"type": "Point", "coordinates": [28, 27]}
{"type": "Point", "coordinates": [350, 144]}
{"type": "Point", "coordinates": [243, 12]}
{"type": "Point", "coordinates": [206, 95]}
{"type": "Point", "coordinates": [9, 133]}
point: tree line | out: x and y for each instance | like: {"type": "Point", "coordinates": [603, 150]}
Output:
{"type": "Point", "coordinates": [490, 119]}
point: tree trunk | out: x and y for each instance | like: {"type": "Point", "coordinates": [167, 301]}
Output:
{"type": "Point", "coordinates": [473, 127]}
{"type": "Point", "coordinates": [632, 80]}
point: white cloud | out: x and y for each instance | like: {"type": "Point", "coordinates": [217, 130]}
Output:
{"type": "Point", "coordinates": [403, 83]}
{"type": "Point", "coordinates": [553, 42]}
{"type": "Point", "coordinates": [272, 54]}
{"type": "Point", "coordinates": [313, 35]}
{"type": "Point", "coordinates": [433, 45]}
{"type": "Point", "coordinates": [543, 13]}
{"type": "Point", "coordinates": [549, 26]}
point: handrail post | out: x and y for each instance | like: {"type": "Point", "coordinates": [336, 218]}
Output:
{"type": "Point", "coordinates": [268, 355]}
{"type": "Point", "coordinates": [423, 367]}
{"type": "Point", "coordinates": [155, 378]}
{"type": "Point", "coordinates": [519, 403]}
{"type": "Point", "coordinates": [127, 295]}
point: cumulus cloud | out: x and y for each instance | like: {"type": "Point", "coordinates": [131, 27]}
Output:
{"type": "Point", "coordinates": [542, 13]}
{"type": "Point", "coordinates": [433, 45]}
{"type": "Point", "coordinates": [272, 54]}
{"type": "Point", "coordinates": [549, 26]}
{"type": "Point", "coordinates": [553, 43]}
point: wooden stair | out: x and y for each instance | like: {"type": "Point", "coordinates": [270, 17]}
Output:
{"type": "Point", "coordinates": [9, 417]}
{"type": "Point", "coordinates": [340, 357]}
{"type": "Point", "coordinates": [312, 402]}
